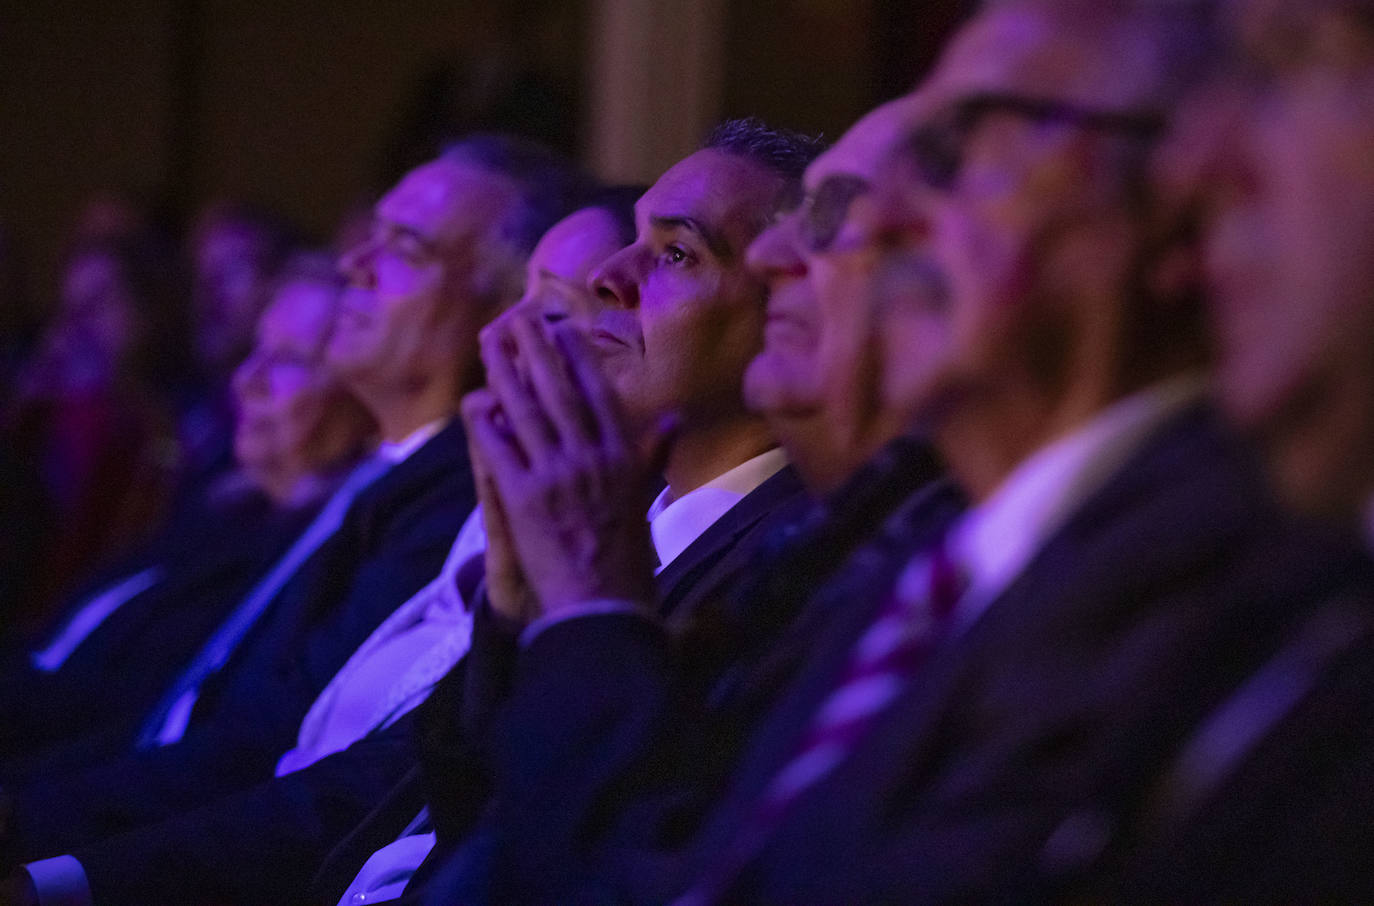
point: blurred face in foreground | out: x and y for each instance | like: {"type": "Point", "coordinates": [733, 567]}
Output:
{"type": "Point", "coordinates": [295, 420]}
{"type": "Point", "coordinates": [848, 319]}
{"type": "Point", "coordinates": [1280, 157]}
{"type": "Point", "coordinates": [1006, 225]}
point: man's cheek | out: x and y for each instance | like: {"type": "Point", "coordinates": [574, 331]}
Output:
{"type": "Point", "coordinates": [398, 278]}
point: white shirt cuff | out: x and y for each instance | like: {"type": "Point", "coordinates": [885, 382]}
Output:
{"type": "Point", "coordinates": [594, 608]}
{"type": "Point", "coordinates": [60, 881]}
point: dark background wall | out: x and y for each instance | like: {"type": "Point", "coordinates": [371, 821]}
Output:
{"type": "Point", "coordinates": [307, 106]}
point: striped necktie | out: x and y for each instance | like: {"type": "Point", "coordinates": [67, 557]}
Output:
{"type": "Point", "coordinates": [167, 723]}
{"type": "Point", "coordinates": [910, 624]}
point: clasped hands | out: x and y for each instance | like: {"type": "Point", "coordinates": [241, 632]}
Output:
{"type": "Point", "coordinates": [563, 486]}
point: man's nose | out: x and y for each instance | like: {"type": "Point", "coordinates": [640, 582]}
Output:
{"type": "Point", "coordinates": [896, 212]}
{"type": "Point", "coordinates": [616, 281]}
{"type": "Point", "coordinates": [774, 252]}
{"type": "Point", "coordinates": [250, 376]}
{"type": "Point", "coordinates": [357, 264]}
{"type": "Point", "coordinates": [1205, 156]}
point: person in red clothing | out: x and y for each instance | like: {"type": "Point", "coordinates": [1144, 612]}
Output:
{"type": "Point", "coordinates": [91, 415]}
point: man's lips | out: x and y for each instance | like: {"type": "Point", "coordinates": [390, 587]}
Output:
{"type": "Point", "coordinates": [783, 327]}
{"type": "Point", "coordinates": [355, 317]}
{"type": "Point", "coordinates": [602, 336]}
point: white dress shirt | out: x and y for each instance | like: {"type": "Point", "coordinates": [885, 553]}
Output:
{"type": "Point", "coordinates": [673, 524]}
{"type": "Point", "coordinates": [994, 542]}
{"type": "Point", "coordinates": [399, 663]}
{"type": "Point", "coordinates": [676, 522]}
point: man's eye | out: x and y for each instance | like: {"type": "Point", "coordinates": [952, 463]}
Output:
{"type": "Point", "coordinates": [410, 251]}
{"type": "Point", "coordinates": [676, 254]}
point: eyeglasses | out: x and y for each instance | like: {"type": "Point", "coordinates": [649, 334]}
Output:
{"type": "Point", "coordinates": [822, 212]}
{"type": "Point", "coordinates": [937, 147]}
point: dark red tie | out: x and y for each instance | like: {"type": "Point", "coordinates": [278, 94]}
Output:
{"type": "Point", "coordinates": [881, 664]}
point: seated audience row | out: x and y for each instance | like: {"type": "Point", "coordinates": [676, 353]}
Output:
{"type": "Point", "coordinates": [971, 510]}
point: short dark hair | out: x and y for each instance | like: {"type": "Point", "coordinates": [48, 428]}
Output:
{"type": "Point", "coordinates": [548, 185]}
{"type": "Point", "coordinates": [783, 151]}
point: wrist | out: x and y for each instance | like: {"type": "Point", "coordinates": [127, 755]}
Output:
{"type": "Point", "coordinates": [590, 608]}
{"type": "Point", "coordinates": [565, 597]}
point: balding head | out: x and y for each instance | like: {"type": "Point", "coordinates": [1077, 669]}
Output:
{"type": "Point", "coordinates": [1113, 54]}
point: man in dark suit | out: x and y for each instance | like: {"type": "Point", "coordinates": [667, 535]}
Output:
{"type": "Point", "coordinates": [972, 725]}
{"type": "Point", "coordinates": [133, 629]}
{"type": "Point", "coordinates": [657, 343]}
{"type": "Point", "coordinates": [445, 256]}
{"type": "Point", "coordinates": [1269, 801]}
{"type": "Point", "coordinates": [703, 540]}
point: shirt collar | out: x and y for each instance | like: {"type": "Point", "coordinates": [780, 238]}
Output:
{"type": "Point", "coordinates": [996, 540]}
{"type": "Point", "coordinates": [400, 450]}
{"type": "Point", "coordinates": [675, 523]}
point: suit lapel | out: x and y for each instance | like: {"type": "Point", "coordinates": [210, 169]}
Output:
{"type": "Point", "coordinates": [1063, 581]}
{"type": "Point", "coordinates": [438, 458]}
{"type": "Point", "coordinates": [679, 578]}
{"type": "Point", "coordinates": [818, 644]}
{"type": "Point", "coordinates": [1043, 657]}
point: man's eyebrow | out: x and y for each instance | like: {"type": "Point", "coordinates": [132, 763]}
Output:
{"type": "Point", "coordinates": [401, 230]}
{"type": "Point", "coordinates": [714, 241]}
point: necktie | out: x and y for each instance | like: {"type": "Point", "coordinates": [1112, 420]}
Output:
{"type": "Point", "coordinates": [167, 722]}
{"type": "Point", "coordinates": [908, 627]}
{"type": "Point", "coordinates": [89, 618]}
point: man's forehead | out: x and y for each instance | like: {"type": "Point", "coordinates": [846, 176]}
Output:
{"type": "Point", "coordinates": [576, 244]}
{"type": "Point", "coordinates": [435, 199]}
{"type": "Point", "coordinates": [720, 191]}
{"type": "Point", "coordinates": [1072, 53]}
{"type": "Point", "coordinates": [1283, 35]}
{"type": "Point", "coordinates": [863, 148]}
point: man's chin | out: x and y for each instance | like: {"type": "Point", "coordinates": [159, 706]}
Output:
{"type": "Point", "coordinates": [344, 359]}
{"type": "Point", "coordinates": [772, 388]}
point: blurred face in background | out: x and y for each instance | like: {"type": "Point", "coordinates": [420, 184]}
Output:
{"type": "Point", "coordinates": [231, 285]}
{"type": "Point", "coordinates": [97, 326]}
{"type": "Point", "coordinates": [415, 302]}
{"type": "Point", "coordinates": [556, 277]}
{"type": "Point", "coordinates": [295, 420]}
{"type": "Point", "coordinates": [1280, 158]}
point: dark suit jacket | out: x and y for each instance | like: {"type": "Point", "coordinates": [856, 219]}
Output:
{"type": "Point", "coordinates": [662, 704]}
{"type": "Point", "coordinates": [1277, 808]}
{"type": "Point", "coordinates": [451, 780]}
{"type": "Point", "coordinates": [1014, 751]}
{"type": "Point", "coordinates": [393, 540]}
{"type": "Point", "coordinates": [262, 845]}
{"type": "Point", "coordinates": [96, 698]}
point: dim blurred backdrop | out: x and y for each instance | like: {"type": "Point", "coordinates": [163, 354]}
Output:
{"type": "Point", "coordinates": [111, 110]}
